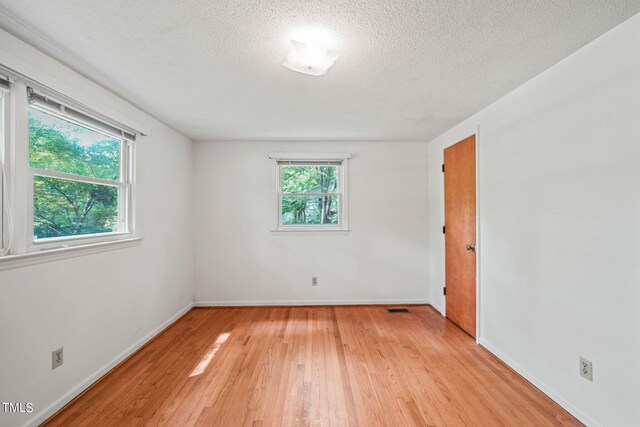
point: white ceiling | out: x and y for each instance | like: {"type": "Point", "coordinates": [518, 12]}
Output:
{"type": "Point", "coordinates": [409, 70]}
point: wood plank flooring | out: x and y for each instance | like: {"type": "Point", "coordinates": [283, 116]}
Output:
{"type": "Point", "coordinates": [313, 366]}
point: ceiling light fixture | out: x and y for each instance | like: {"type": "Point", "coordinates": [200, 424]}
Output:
{"type": "Point", "coordinates": [312, 52]}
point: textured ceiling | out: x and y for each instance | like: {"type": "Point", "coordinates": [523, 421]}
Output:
{"type": "Point", "coordinates": [408, 70]}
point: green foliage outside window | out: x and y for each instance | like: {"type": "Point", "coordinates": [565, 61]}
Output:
{"type": "Point", "coordinates": [320, 206]}
{"type": "Point", "coordinates": [66, 207]}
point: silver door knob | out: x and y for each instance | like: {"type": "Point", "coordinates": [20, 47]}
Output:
{"type": "Point", "coordinates": [471, 248]}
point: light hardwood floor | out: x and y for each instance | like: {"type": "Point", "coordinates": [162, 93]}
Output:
{"type": "Point", "coordinates": [316, 366]}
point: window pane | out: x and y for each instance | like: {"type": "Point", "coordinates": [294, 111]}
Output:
{"type": "Point", "coordinates": [300, 210]}
{"type": "Point", "coordinates": [309, 179]}
{"type": "Point", "coordinates": [69, 208]}
{"type": "Point", "coordinates": [58, 145]}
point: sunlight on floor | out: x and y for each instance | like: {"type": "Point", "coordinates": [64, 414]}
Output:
{"type": "Point", "coordinates": [208, 357]}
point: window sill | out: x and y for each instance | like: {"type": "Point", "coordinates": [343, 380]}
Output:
{"type": "Point", "coordinates": [310, 231]}
{"type": "Point", "coordinates": [9, 262]}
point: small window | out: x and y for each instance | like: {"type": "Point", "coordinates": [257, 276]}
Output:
{"type": "Point", "coordinates": [79, 175]}
{"type": "Point", "coordinates": [311, 194]}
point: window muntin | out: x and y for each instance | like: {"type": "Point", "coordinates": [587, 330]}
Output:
{"type": "Point", "coordinates": [310, 194]}
{"type": "Point", "coordinates": [79, 179]}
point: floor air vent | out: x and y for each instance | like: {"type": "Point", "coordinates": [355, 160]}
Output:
{"type": "Point", "coordinates": [398, 310]}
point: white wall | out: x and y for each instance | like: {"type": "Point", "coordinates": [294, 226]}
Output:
{"type": "Point", "coordinates": [100, 306]}
{"type": "Point", "coordinates": [239, 260]}
{"type": "Point", "coordinates": [559, 212]}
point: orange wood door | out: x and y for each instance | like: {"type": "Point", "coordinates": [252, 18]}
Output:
{"type": "Point", "coordinates": [460, 233]}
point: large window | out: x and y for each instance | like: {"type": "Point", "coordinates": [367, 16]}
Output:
{"type": "Point", "coordinates": [66, 172]}
{"type": "Point", "coordinates": [79, 168]}
{"type": "Point", "coordinates": [311, 192]}
{"type": "Point", "coordinates": [79, 183]}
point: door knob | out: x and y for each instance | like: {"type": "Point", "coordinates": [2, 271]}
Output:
{"type": "Point", "coordinates": [471, 248]}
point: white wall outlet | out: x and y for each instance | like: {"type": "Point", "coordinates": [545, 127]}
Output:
{"type": "Point", "coordinates": [314, 281]}
{"type": "Point", "coordinates": [586, 368]}
{"type": "Point", "coordinates": [57, 358]}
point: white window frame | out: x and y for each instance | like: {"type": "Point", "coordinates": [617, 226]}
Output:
{"type": "Point", "coordinates": [4, 143]}
{"type": "Point", "coordinates": [25, 249]}
{"type": "Point", "coordinates": [286, 159]}
{"type": "Point", "coordinates": [123, 185]}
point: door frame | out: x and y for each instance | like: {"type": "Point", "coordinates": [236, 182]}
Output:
{"type": "Point", "coordinates": [478, 230]}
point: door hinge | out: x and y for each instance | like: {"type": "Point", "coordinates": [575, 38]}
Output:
{"type": "Point", "coordinates": [443, 229]}
{"type": "Point", "coordinates": [443, 167]}
{"type": "Point", "coordinates": [444, 290]}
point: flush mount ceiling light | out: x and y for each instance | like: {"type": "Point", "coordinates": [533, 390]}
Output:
{"type": "Point", "coordinates": [312, 52]}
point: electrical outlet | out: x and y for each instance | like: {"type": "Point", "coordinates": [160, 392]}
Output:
{"type": "Point", "coordinates": [586, 368]}
{"type": "Point", "coordinates": [314, 281]}
{"type": "Point", "coordinates": [57, 358]}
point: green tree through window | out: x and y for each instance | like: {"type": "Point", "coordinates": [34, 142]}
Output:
{"type": "Point", "coordinates": [64, 205]}
{"type": "Point", "coordinates": [309, 195]}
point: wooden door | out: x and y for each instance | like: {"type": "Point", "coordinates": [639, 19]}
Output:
{"type": "Point", "coordinates": [460, 233]}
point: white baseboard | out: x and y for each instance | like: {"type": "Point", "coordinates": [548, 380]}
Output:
{"type": "Point", "coordinates": [309, 302]}
{"type": "Point", "coordinates": [71, 394]}
{"type": "Point", "coordinates": [581, 416]}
